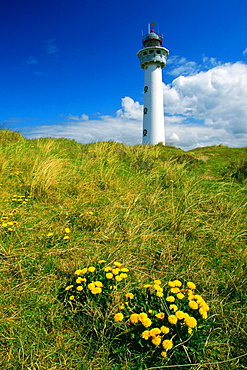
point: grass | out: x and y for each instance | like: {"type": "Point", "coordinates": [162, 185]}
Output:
{"type": "Point", "coordinates": [164, 213]}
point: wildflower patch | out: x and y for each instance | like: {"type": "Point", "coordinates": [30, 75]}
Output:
{"type": "Point", "coordinates": [152, 320]}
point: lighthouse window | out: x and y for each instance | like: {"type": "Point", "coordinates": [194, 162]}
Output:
{"type": "Point", "coordinates": [145, 89]}
{"type": "Point", "coordinates": [151, 51]}
{"type": "Point", "coordinates": [145, 110]}
{"type": "Point", "coordinates": [144, 53]}
{"type": "Point", "coordinates": [158, 51]}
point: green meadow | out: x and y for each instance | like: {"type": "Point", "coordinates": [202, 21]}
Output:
{"type": "Point", "coordinates": [160, 212]}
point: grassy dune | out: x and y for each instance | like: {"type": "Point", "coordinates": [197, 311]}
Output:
{"type": "Point", "coordinates": [166, 214]}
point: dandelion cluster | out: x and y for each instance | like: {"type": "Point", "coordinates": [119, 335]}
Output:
{"type": "Point", "coordinates": [8, 224]}
{"type": "Point", "coordinates": [160, 317]}
{"type": "Point", "coordinates": [20, 200]}
{"type": "Point", "coordinates": [98, 280]}
{"type": "Point", "coordinates": [163, 317]}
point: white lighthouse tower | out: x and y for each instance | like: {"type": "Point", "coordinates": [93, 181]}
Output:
{"type": "Point", "coordinates": [152, 59]}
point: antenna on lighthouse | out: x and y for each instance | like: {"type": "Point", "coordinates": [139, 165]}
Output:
{"type": "Point", "coordinates": [151, 26]}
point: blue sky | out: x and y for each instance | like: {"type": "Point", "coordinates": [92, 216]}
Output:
{"type": "Point", "coordinates": [69, 69]}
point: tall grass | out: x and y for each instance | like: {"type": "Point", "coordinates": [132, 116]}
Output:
{"type": "Point", "coordinates": [164, 214]}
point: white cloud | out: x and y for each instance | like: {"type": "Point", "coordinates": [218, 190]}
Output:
{"type": "Point", "coordinates": [209, 62]}
{"type": "Point", "coordinates": [125, 127]}
{"type": "Point", "coordinates": [181, 66]}
{"type": "Point", "coordinates": [207, 108]}
{"type": "Point", "coordinates": [130, 109]}
{"type": "Point", "coordinates": [31, 60]}
{"type": "Point", "coordinates": [82, 117]}
{"type": "Point", "coordinates": [50, 46]}
{"type": "Point", "coordinates": [218, 97]}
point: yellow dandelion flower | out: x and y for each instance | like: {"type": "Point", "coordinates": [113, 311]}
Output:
{"type": "Point", "coordinates": [198, 298]}
{"type": "Point", "coordinates": [146, 334]}
{"type": "Point", "coordinates": [190, 331]}
{"type": "Point", "coordinates": [108, 268]}
{"type": "Point", "coordinates": [72, 298]}
{"type": "Point", "coordinates": [190, 322]}
{"type": "Point", "coordinates": [146, 322]}
{"type": "Point", "coordinates": [124, 269]}
{"type": "Point", "coordinates": [164, 329]}
{"type": "Point", "coordinates": [204, 305]}
{"type": "Point", "coordinates": [121, 306]}
{"type": "Point", "coordinates": [160, 315]}
{"type": "Point", "coordinates": [49, 235]}
{"type": "Point", "coordinates": [69, 287]}
{"type": "Point", "coordinates": [84, 271]}
{"type": "Point", "coordinates": [158, 288]}
{"type": "Point", "coordinates": [102, 261]}
{"type": "Point", "coordinates": [150, 311]}
{"type": "Point", "coordinates": [173, 307]}
{"type": "Point", "coordinates": [171, 284]}
{"type": "Point", "coordinates": [115, 271]}
{"type": "Point", "coordinates": [172, 319]}
{"type": "Point", "coordinates": [175, 290]}
{"type": "Point", "coordinates": [167, 344]}
{"type": "Point", "coordinates": [79, 288]}
{"type": "Point", "coordinates": [129, 295]}
{"type": "Point", "coordinates": [66, 237]}
{"type": "Point", "coordinates": [203, 313]}
{"type": "Point", "coordinates": [193, 305]}
{"type": "Point", "coordinates": [134, 318]}
{"type": "Point", "coordinates": [190, 295]}
{"type": "Point", "coordinates": [156, 340]}
{"type": "Point", "coordinates": [170, 299]}
{"type": "Point", "coordinates": [79, 280]}
{"type": "Point", "coordinates": [117, 264]}
{"type": "Point", "coordinates": [180, 295]}
{"type": "Point", "coordinates": [109, 275]}
{"type": "Point", "coordinates": [118, 278]}
{"type": "Point", "coordinates": [98, 284]}
{"type": "Point", "coordinates": [67, 230]}
{"type": "Point", "coordinates": [179, 315]}
{"type": "Point", "coordinates": [91, 269]}
{"type": "Point", "coordinates": [96, 290]}
{"type": "Point", "coordinates": [155, 331]}
{"type": "Point", "coordinates": [143, 316]}
{"type": "Point", "coordinates": [159, 294]}
{"type": "Point", "coordinates": [118, 317]}
{"type": "Point", "coordinates": [157, 282]}
{"type": "Point", "coordinates": [147, 286]}
{"type": "Point", "coordinates": [191, 285]}
{"type": "Point", "coordinates": [123, 275]}
{"type": "Point", "coordinates": [164, 354]}
{"type": "Point", "coordinates": [78, 272]}
{"type": "Point", "coordinates": [177, 283]}
{"type": "Point", "coordinates": [91, 286]}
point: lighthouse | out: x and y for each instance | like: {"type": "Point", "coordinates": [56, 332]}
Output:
{"type": "Point", "coordinates": [152, 59]}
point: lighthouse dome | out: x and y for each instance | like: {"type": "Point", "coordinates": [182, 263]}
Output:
{"type": "Point", "coordinates": [152, 39]}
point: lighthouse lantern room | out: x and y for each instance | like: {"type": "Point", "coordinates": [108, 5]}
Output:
{"type": "Point", "coordinates": [152, 59]}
